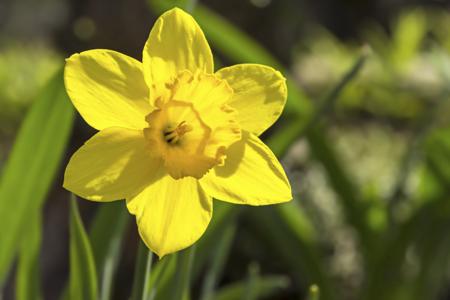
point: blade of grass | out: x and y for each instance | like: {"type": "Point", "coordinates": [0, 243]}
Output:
{"type": "Point", "coordinates": [217, 262]}
{"type": "Point", "coordinates": [32, 165]}
{"type": "Point", "coordinates": [296, 220]}
{"type": "Point", "coordinates": [280, 142]}
{"type": "Point", "coordinates": [326, 154]}
{"type": "Point", "coordinates": [424, 125]}
{"type": "Point", "coordinates": [300, 255]}
{"type": "Point", "coordinates": [108, 246]}
{"type": "Point", "coordinates": [328, 103]}
{"type": "Point", "coordinates": [161, 277]}
{"type": "Point", "coordinates": [224, 214]}
{"type": "Point", "coordinates": [27, 276]}
{"type": "Point", "coordinates": [434, 254]}
{"type": "Point", "coordinates": [83, 277]}
{"type": "Point", "coordinates": [422, 224]}
{"type": "Point", "coordinates": [425, 230]}
{"type": "Point", "coordinates": [290, 214]}
{"type": "Point", "coordinates": [265, 287]}
{"type": "Point", "coordinates": [251, 288]}
{"type": "Point", "coordinates": [354, 209]}
{"type": "Point", "coordinates": [104, 234]}
{"type": "Point", "coordinates": [139, 272]}
{"type": "Point", "coordinates": [148, 268]}
{"type": "Point", "coordinates": [382, 278]}
{"type": "Point", "coordinates": [182, 275]}
{"type": "Point", "coordinates": [283, 138]}
{"type": "Point", "coordinates": [106, 237]}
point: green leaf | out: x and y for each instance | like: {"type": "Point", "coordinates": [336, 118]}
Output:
{"type": "Point", "coordinates": [354, 208]}
{"type": "Point", "coordinates": [264, 286]}
{"type": "Point", "coordinates": [107, 237]}
{"type": "Point", "coordinates": [106, 241]}
{"type": "Point", "coordinates": [252, 288]}
{"type": "Point", "coordinates": [290, 214]}
{"type": "Point", "coordinates": [291, 245]}
{"type": "Point", "coordinates": [181, 283]}
{"type": "Point", "coordinates": [161, 277]}
{"type": "Point", "coordinates": [217, 261]}
{"type": "Point", "coordinates": [139, 271]}
{"type": "Point", "coordinates": [147, 290]}
{"type": "Point", "coordinates": [419, 231]}
{"type": "Point", "coordinates": [283, 138]}
{"type": "Point", "coordinates": [27, 276]}
{"type": "Point", "coordinates": [83, 277]}
{"type": "Point", "coordinates": [297, 221]}
{"type": "Point", "coordinates": [224, 214]}
{"type": "Point", "coordinates": [32, 165]}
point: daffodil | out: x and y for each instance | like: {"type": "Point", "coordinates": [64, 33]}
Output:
{"type": "Point", "coordinates": [173, 134]}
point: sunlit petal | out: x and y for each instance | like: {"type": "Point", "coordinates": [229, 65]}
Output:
{"type": "Point", "coordinates": [114, 164]}
{"type": "Point", "coordinates": [171, 214]}
{"type": "Point", "coordinates": [176, 43]}
{"type": "Point", "coordinates": [259, 95]}
{"type": "Point", "coordinates": [107, 88]}
{"type": "Point", "coordinates": [251, 175]}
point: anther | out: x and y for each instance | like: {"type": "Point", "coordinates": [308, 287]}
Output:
{"type": "Point", "coordinates": [173, 135]}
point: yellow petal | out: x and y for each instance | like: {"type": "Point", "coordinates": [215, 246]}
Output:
{"type": "Point", "coordinates": [210, 96]}
{"type": "Point", "coordinates": [197, 104]}
{"type": "Point", "coordinates": [116, 163]}
{"type": "Point", "coordinates": [260, 94]}
{"type": "Point", "coordinates": [171, 214]}
{"type": "Point", "coordinates": [108, 89]}
{"type": "Point", "coordinates": [176, 43]}
{"type": "Point", "coordinates": [251, 175]}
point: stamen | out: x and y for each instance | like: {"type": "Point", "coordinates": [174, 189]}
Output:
{"type": "Point", "coordinates": [173, 135]}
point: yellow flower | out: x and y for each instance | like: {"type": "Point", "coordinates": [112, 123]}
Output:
{"type": "Point", "coordinates": [173, 134]}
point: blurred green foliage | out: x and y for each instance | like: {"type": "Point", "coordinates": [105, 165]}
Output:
{"type": "Point", "coordinates": [24, 69]}
{"type": "Point", "coordinates": [407, 71]}
{"type": "Point", "coordinates": [365, 139]}
{"type": "Point", "coordinates": [31, 168]}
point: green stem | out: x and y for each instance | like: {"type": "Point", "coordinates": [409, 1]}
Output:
{"type": "Point", "coordinates": [113, 251]}
{"type": "Point", "coordinates": [251, 289]}
{"type": "Point", "coordinates": [139, 272]}
{"type": "Point", "coordinates": [183, 270]}
{"type": "Point", "coordinates": [148, 269]}
{"type": "Point", "coordinates": [218, 261]}
{"type": "Point", "coordinates": [411, 154]}
{"type": "Point", "coordinates": [283, 139]}
{"type": "Point", "coordinates": [327, 104]}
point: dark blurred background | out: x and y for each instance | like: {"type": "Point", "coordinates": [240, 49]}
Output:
{"type": "Point", "coordinates": [316, 40]}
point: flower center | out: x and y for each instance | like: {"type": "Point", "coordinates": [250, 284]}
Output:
{"type": "Point", "coordinates": [192, 126]}
{"type": "Point", "coordinates": [172, 135]}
